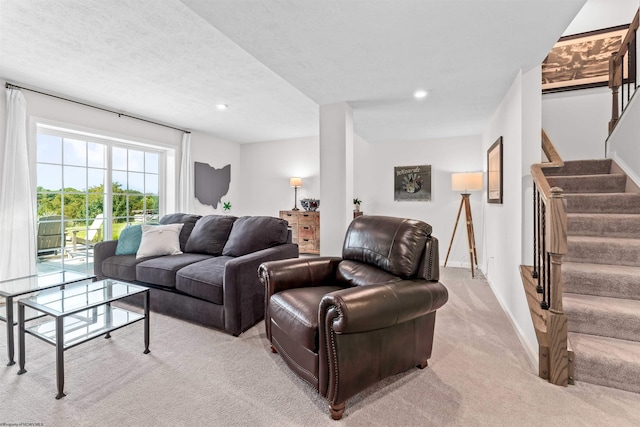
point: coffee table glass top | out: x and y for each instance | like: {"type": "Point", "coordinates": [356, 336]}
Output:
{"type": "Point", "coordinates": [80, 296]}
{"type": "Point", "coordinates": [84, 309]}
{"type": "Point", "coordinates": [25, 285]}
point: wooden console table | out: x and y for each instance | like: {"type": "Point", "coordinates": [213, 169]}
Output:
{"type": "Point", "coordinates": [305, 228]}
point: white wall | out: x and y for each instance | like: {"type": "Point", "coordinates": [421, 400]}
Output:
{"type": "Point", "coordinates": [507, 225]}
{"type": "Point", "coordinates": [205, 148]}
{"type": "Point", "coordinates": [624, 143]}
{"type": "Point", "coordinates": [577, 121]}
{"type": "Point", "coordinates": [265, 169]}
{"type": "Point", "coordinates": [373, 184]}
{"type": "Point", "coordinates": [219, 153]}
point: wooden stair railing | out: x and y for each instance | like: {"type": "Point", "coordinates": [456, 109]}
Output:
{"type": "Point", "coordinates": [550, 246]}
{"type": "Point", "coordinates": [622, 61]}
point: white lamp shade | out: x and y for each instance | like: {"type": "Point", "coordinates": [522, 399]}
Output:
{"type": "Point", "coordinates": [467, 181]}
{"type": "Point", "coordinates": [295, 182]}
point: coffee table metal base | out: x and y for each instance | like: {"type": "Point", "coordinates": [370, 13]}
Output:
{"type": "Point", "coordinates": [55, 332]}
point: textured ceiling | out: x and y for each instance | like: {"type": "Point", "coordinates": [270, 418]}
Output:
{"type": "Point", "coordinates": [275, 62]}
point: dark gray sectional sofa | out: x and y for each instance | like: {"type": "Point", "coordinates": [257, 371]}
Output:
{"type": "Point", "coordinates": [214, 282]}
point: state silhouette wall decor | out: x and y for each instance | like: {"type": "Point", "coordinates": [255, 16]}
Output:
{"type": "Point", "coordinates": [211, 184]}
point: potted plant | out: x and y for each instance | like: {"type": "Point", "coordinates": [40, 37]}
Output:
{"type": "Point", "coordinates": [356, 204]}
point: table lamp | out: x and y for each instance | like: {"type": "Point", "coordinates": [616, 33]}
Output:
{"type": "Point", "coordinates": [295, 183]}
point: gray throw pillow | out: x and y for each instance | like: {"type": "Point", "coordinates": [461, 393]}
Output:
{"type": "Point", "coordinates": [210, 234]}
{"type": "Point", "coordinates": [254, 233]}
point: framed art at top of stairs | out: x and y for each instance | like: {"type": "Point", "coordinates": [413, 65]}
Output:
{"type": "Point", "coordinates": [581, 61]}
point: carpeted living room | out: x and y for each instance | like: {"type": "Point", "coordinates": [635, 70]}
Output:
{"type": "Point", "coordinates": [319, 213]}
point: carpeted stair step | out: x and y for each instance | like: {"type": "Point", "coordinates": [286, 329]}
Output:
{"type": "Point", "coordinates": [604, 225]}
{"type": "Point", "coordinates": [603, 250]}
{"type": "Point", "coordinates": [603, 316]}
{"type": "Point", "coordinates": [615, 281]}
{"type": "Point", "coordinates": [581, 167]}
{"type": "Point", "coordinates": [607, 361]}
{"type": "Point", "coordinates": [610, 183]}
{"type": "Point", "coordinates": [603, 202]}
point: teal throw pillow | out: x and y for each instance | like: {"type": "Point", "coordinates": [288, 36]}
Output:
{"type": "Point", "coordinates": [129, 240]}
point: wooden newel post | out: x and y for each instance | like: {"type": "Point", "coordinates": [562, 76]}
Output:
{"type": "Point", "coordinates": [556, 319]}
{"type": "Point", "coordinates": [615, 81]}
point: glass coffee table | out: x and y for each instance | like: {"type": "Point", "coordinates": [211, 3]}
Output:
{"type": "Point", "coordinates": [80, 312]}
{"type": "Point", "coordinates": [10, 289]}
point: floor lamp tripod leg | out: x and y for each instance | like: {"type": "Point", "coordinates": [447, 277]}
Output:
{"type": "Point", "coordinates": [455, 227]}
{"type": "Point", "coordinates": [470, 236]}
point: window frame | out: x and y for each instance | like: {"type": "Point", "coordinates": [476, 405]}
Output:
{"type": "Point", "coordinates": [167, 158]}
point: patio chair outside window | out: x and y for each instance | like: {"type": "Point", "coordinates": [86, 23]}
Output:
{"type": "Point", "coordinates": [94, 233]}
{"type": "Point", "coordinates": [51, 235]}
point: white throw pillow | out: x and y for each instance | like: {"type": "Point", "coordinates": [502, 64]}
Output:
{"type": "Point", "coordinates": [160, 240]}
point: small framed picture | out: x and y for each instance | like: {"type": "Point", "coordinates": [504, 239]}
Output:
{"type": "Point", "coordinates": [494, 172]}
{"type": "Point", "coordinates": [412, 183]}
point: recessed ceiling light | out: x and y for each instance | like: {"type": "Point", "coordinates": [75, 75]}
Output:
{"type": "Point", "coordinates": [420, 94]}
{"type": "Point", "coordinates": [221, 106]}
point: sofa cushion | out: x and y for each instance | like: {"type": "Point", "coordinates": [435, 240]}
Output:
{"type": "Point", "coordinates": [161, 271]}
{"type": "Point", "coordinates": [296, 311]}
{"type": "Point", "coordinates": [254, 233]}
{"type": "Point", "coordinates": [189, 222]}
{"type": "Point", "coordinates": [121, 267]}
{"type": "Point", "coordinates": [129, 240]}
{"type": "Point", "coordinates": [159, 240]}
{"type": "Point", "coordinates": [203, 279]}
{"type": "Point", "coordinates": [210, 234]}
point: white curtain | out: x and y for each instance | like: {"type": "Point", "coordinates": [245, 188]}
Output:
{"type": "Point", "coordinates": [186, 176]}
{"type": "Point", "coordinates": [17, 210]}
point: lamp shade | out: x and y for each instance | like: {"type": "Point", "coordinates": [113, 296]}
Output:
{"type": "Point", "coordinates": [467, 181]}
{"type": "Point", "coordinates": [295, 182]}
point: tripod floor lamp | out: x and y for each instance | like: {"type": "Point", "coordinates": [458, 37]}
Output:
{"type": "Point", "coordinates": [466, 182]}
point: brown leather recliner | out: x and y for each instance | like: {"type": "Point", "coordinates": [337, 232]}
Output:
{"type": "Point", "coordinates": [343, 324]}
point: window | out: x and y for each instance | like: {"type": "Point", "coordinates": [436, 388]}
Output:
{"type": "Point", "coordinates": [88, 189]}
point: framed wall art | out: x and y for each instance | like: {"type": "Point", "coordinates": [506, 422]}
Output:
{"type": "Point", "coordinates": [412, 183]}
{"type": "Point", "coordinates": [494, 172]}
{"type": "Point", "coordinates": [582, 60]}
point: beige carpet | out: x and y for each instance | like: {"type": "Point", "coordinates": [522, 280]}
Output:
{"type": "Point", "coordinates": [479, 375]}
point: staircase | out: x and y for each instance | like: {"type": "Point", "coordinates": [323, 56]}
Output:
{"type": "Point", "coordinates": [601, 271]}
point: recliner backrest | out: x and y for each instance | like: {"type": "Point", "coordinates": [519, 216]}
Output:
{"type": "Point", "coordinates": [395, 245]}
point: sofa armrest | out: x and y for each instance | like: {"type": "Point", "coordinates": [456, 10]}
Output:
{"type": "Point", "coordinates": [277, 276]}
{"type": "Point", "coordinates": [102, 251]}
{"type": "Point", "coordinates": [368, 308]}
{"type": "Point", "coordinates": [243, 295]}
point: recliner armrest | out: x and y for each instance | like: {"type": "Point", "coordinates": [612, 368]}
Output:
{"type": "Point", "coordinates": [368, 308]}
{"type": "Point", "coordinates": [285, 274]}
